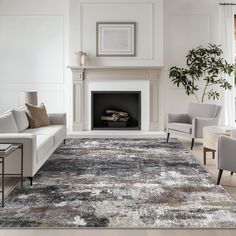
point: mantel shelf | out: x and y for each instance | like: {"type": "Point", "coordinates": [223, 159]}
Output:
{"type": "Point", "coordinates": [115, 67]}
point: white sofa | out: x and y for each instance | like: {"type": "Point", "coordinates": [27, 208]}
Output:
{"type": "Point", "coordinates": [38, 143]}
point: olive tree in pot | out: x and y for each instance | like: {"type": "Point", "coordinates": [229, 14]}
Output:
{"type": "Point", "coordinates": [205, 65]}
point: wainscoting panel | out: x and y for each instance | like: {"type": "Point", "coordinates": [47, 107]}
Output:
{"type": "Point", "coordinates": [148, 16]}
{"type": "Point", "coordinates": [32, 58]}
{"type": "Point", "coordinates": [51, 95]}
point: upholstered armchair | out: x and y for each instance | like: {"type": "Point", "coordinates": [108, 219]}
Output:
{"type": "Point", "coordinates": [226, 154]}
{"type": "Point", "coordinates": [191, 124]}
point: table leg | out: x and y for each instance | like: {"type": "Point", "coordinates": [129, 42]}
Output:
{"type": "Point", "coordinates": [21, 167]}
{"type": "Point", "coordinates": [3, 167]}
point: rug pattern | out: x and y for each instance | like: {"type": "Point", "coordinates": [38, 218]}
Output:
{"type": "Point", "coordinates": [121, 183]}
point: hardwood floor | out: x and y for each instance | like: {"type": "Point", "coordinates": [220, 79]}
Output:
{"type": "Point", "coordinates": [227, 181]}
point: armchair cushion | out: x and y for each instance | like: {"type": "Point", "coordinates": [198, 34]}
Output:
{"type": "Point", "coordinates": [181, 127]}
{"type": "Point", "coordinates": [7, 123]}
{"type": "Point", "coordinates": [178, 118]}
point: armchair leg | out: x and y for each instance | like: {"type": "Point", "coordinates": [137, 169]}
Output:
{"type": "Point", "coordinates": [167, 139]}
{"type": "Point", "coordinates": [192, 143]}
{"type": "Point", "coordinates": [232, 172]}
{"type": "Point", "coordinates": [219, 176]}
{"type": "Point", "coordinates": [64, 141]}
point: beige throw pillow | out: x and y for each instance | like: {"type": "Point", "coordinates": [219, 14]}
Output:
{"type": "Point", "coordinates": [37, 115]}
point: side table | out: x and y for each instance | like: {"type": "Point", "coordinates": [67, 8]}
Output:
{"type": "Point", "coordinates": [210, 139]}
{"type": "Point", "coordinates": [12, 149]}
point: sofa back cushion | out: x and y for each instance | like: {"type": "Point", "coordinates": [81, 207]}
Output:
{"type": "Point", "coordinates": [7, 123]}
{"type": "Point", "coordinates": [37, 115]}
{"type": "Point", "coordinates": [21, 119]}
{"type": "Point", "coordinates": [202, 110]}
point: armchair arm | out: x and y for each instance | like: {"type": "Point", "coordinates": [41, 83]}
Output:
{"type": "Point", "coordinates": [233, 133]}
{"type": "Point", "coordinates": [226, 153]}
{"type": "Point", "coordinates": [29, 149]}
{"type": "Point", "coordinates": [177, 118]}
{"type": "Point", "coordinates": [198, 124]}
{"type": "Point", "coordinates": [57, 119]}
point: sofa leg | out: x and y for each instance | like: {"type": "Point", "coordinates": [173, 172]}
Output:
{"type": "Point", "coordinates": [31, 180]}
{"type": "Point", "coordinates": [219, 176]}
{"type": "Point", "coordinates": [192, 143]}
{"type": "Point", "coordinates": [167, 139]}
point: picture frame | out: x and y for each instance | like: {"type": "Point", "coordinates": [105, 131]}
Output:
{"type": "Point", "coordinates": [115, 39]}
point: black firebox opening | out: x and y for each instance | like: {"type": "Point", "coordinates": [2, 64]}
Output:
{"type": "Point", "coordinates": [116, 110]}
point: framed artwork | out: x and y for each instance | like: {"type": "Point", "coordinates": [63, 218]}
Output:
{"type": "Point", "coordinates": [116, 39]}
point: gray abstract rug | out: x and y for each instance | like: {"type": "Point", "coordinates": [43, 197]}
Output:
{"type": "Point", "coordinates": [121, 183]}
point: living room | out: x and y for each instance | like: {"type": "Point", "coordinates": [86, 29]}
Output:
{"type": "Point", "coordinates": [107, 132]}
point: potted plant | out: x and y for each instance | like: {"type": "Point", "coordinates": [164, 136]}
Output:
{"type": "Point", "coordinates": [205, 65]}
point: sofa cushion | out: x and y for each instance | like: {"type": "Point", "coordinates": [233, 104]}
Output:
{"type": "Point", "coordinates": [7, 123]}
{"type": "Point", "coordinates": [57, 131]}
{"type": "Point", "coordinates": [181, 127]}
{"type": "Point", "coordinates": [20, 119]}
{"type": "Point", "coordinates": [43, 144]}
{"type": "Point", "coordinates": [37, 115]}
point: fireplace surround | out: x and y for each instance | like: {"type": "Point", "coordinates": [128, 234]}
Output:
{"type": "Point", "coordinates": [114, 78]}
{"type": "Point", "coordinates": [121, 101]}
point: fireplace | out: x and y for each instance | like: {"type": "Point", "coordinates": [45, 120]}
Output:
{"type": "Point", "coordinates": [116, 110]}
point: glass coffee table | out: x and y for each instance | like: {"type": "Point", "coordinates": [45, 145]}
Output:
{"type": "Point", "coordinates": [3, 157]}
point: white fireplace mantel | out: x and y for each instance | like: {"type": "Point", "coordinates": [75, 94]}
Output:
{"type": "Point", "coordinates": [96, 73]}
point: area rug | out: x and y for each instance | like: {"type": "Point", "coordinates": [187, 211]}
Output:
{"type": "Point", "coordinates": [121, 183]}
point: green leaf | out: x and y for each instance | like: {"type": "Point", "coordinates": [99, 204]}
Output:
{"type": "Point", "coordinates": [203, 64]}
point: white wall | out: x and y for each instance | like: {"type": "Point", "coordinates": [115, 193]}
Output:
{"type": "Point", "coordinates": [148, 15]}
{"type": "Point", "coordinates": [33, 51]}
{"type": "Point", "coordinates": [34, 43]}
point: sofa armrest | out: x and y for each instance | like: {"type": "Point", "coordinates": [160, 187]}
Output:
{"type": "Point", "coordinates": [177, 118]}
{"type": "Point", "coordinates": [57, 118]}
{"type": "Point", "coordinates": [199, 123]}
{"type": "Point", "coordinates": [226, 153]}
{"type": "Point", "coordinates": [29, 149]}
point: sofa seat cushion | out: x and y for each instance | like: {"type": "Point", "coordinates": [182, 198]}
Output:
{"type": "Point", "coordinates": [181, 127]}
{"type": "Point", "coordinates": [43, 143]}
{"type": "Point", "coordinates": [57, 131]}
